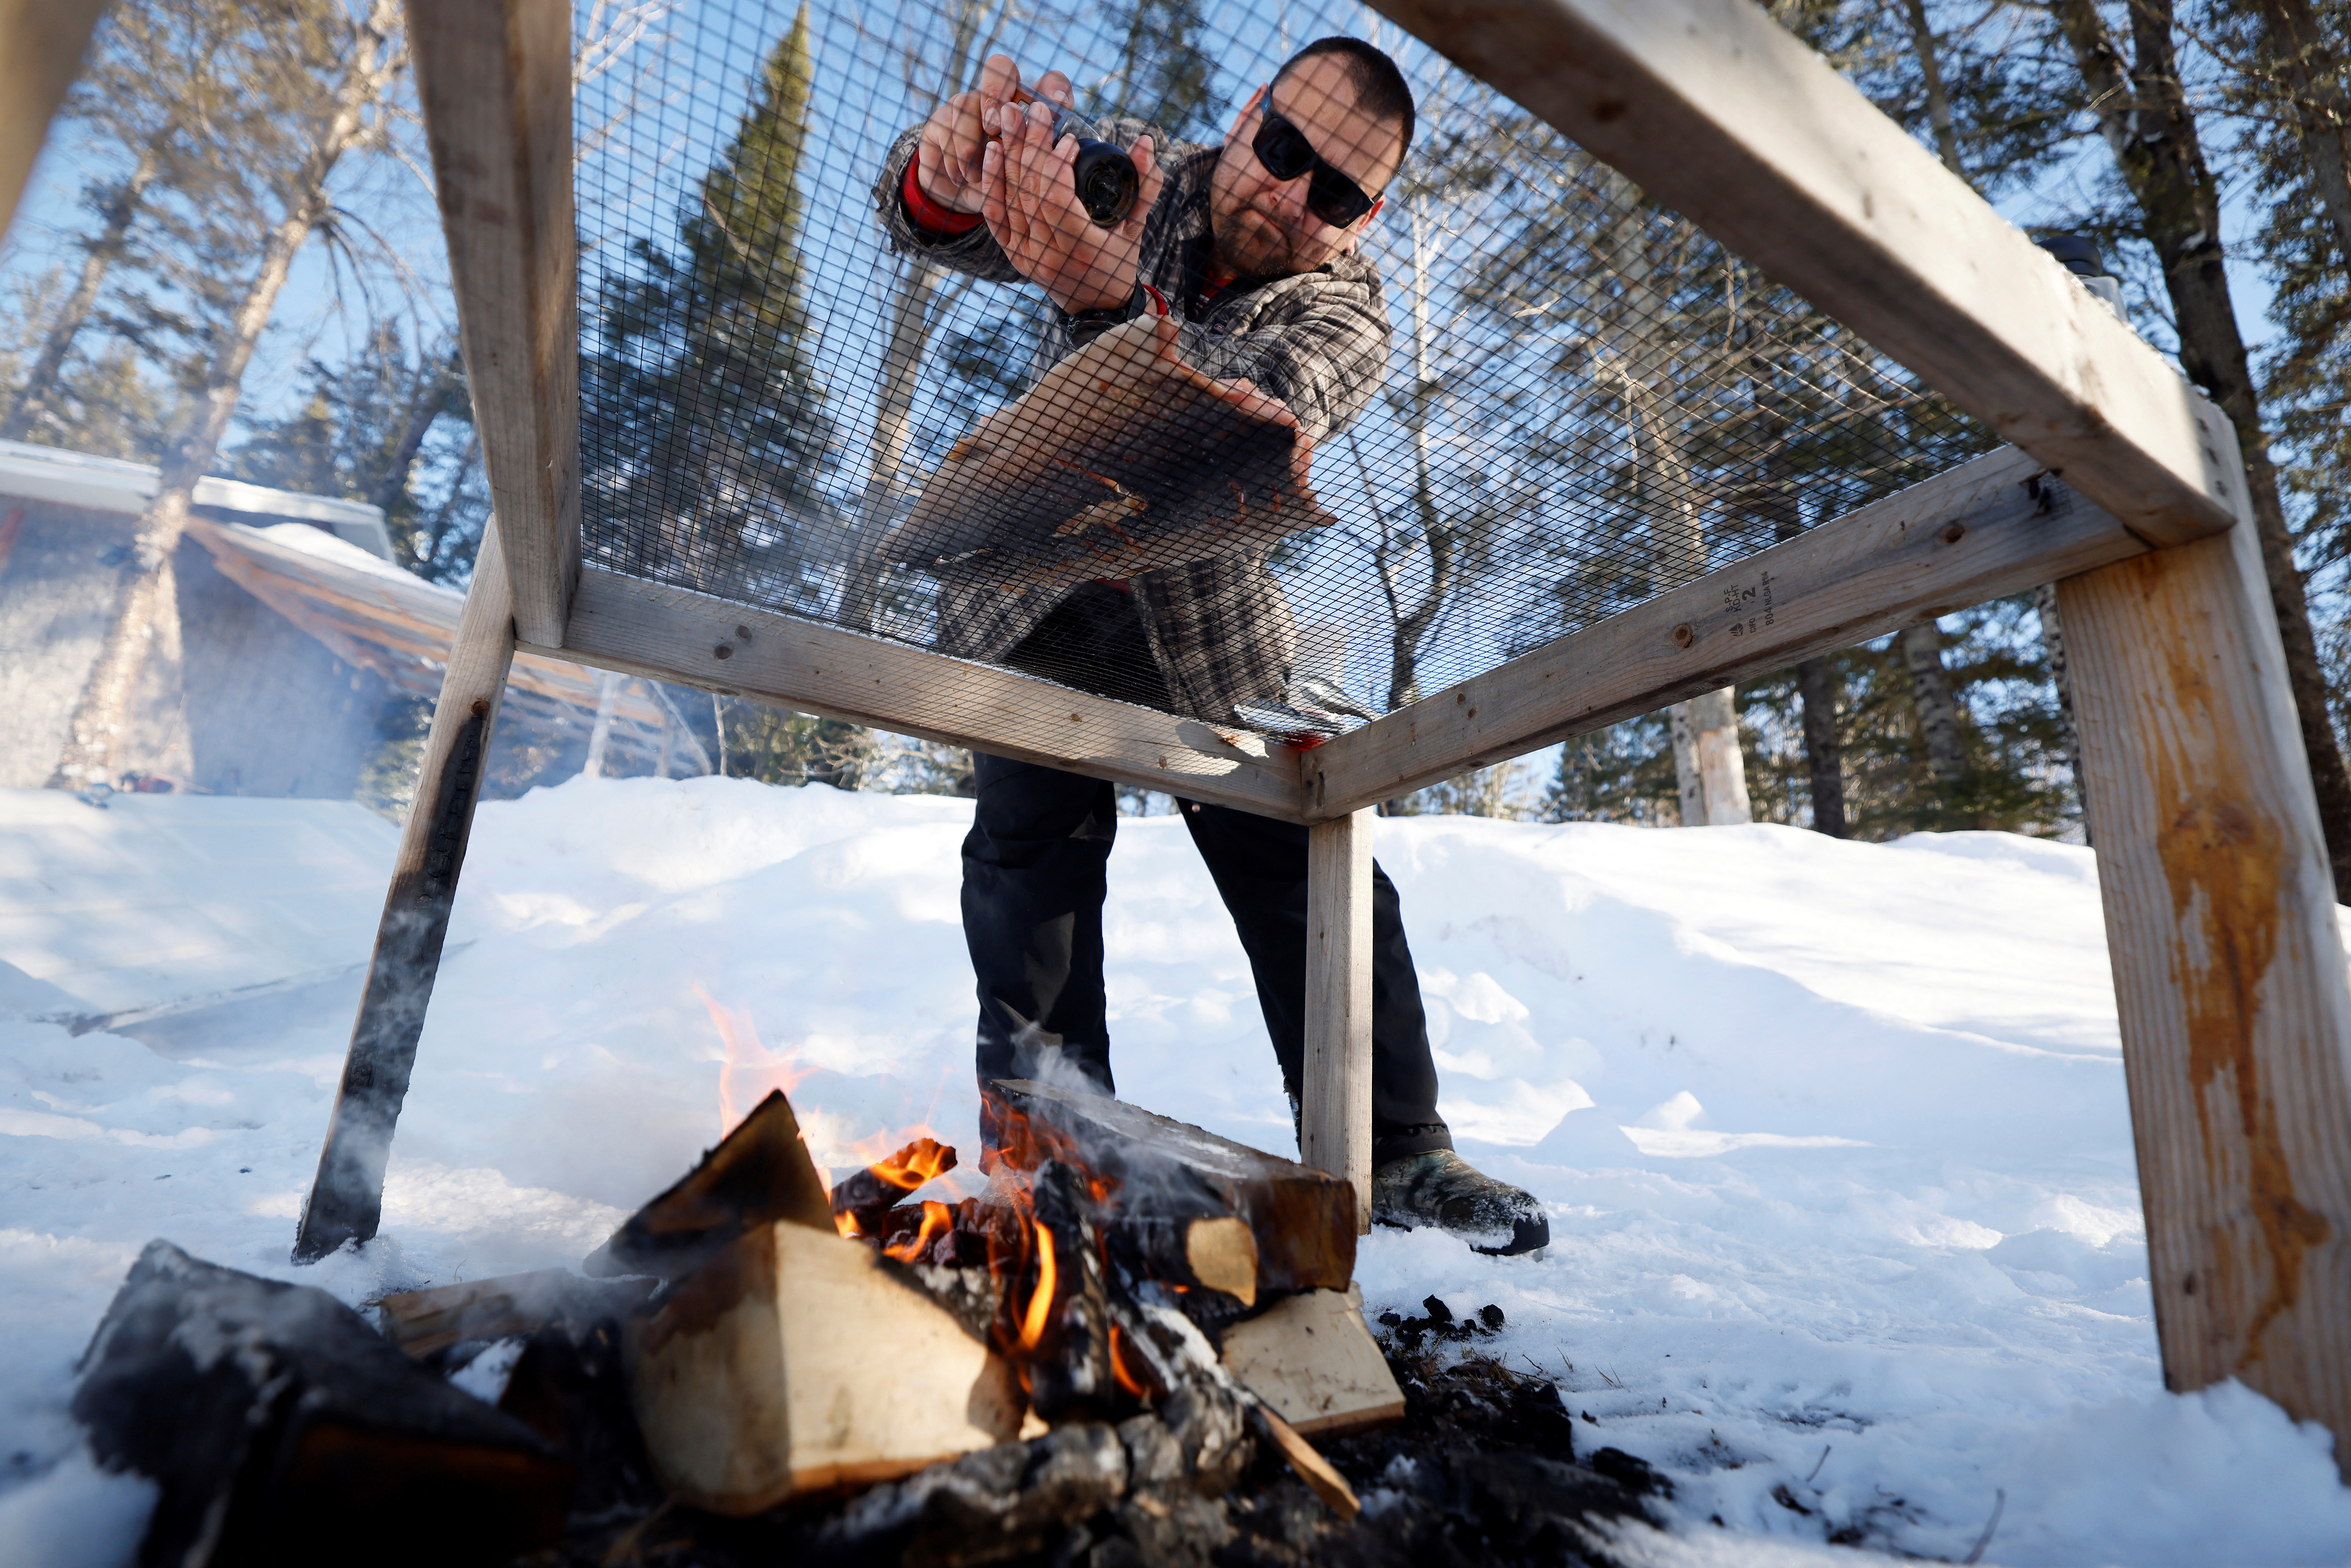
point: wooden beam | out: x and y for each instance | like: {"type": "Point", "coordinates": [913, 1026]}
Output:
{"type": "Point", "coordinates": [676, 634]}
{"type": "Point", "coordinates": [495, 80]}
{"type": "Point", "coordinates": [1995, 526]}
{"type": "Point", "coordinates": [41, 46]}
{"type": "Point", "coordinates": [345, 1199]}
{"type": "Point", "coordinates": [1716, 111]}
{"type": "Point", "coordinates": [1335, 1124]}
{"type": "Point", "coordinates": [2229, 971]}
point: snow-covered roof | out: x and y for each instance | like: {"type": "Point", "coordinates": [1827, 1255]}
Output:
{"type": "Point", "coordinates": [108, 484]}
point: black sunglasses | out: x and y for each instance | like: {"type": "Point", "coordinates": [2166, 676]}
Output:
{"type": "Point", "coordinates": [1286, 153]}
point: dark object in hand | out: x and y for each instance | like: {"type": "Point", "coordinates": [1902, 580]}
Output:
{"type": "Point", "coordinates": [1104, 177]}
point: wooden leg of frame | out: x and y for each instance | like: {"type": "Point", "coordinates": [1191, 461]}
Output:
{"type": "Point", "coordinates": [41, 46]}
{"type": "Point", "coordinates": [347, 1196]}
{"type": "Point", "coordinates": [2229, 971]}
{"type": "Point", "coordinates": [1336, 1131]}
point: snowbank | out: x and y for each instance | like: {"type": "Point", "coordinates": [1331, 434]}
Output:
{"type": "Point", "coordinates": [1833, 1136]}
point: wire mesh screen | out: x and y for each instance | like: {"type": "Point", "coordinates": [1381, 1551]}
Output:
{"type": "Point", "coordinates": [1250, 453]}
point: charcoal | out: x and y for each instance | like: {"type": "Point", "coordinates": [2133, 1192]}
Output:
{"type": "Point", "coordinates": [989, 1507]}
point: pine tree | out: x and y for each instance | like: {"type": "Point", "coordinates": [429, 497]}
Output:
{"type": "Point", "coordinates": [704, 422]}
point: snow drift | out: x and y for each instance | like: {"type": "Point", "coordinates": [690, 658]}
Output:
{"type": "Point", "coordinates": [1846, 1238]}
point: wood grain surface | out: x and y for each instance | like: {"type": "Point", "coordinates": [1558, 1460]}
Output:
{"type": "Point", "coordinates": [676, 634]}
{"type": "Point", "coordinates": [41, 46]}
{"type": "Point", "coordinates": [2229, 970]}
{"type": "Point", "coordinates": [493, 77]}
{"type": "Point", "coordinates": [1335, 1131]}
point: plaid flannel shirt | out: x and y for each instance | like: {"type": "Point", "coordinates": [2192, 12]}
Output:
{"type": "Point", "coordinates": [1220, 628]}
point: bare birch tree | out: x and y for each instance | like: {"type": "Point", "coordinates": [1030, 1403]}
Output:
{"type": "Point", "coordinates": [331, 74]}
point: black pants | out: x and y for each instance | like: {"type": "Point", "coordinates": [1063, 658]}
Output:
{"type": "Point", "coordinates": [1035, 874]}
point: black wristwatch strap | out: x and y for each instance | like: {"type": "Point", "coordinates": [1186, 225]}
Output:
{"type": "Point", "coordinates": [1088, 322]}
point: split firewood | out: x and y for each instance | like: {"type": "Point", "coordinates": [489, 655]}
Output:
{"type": "Point", "coordinates": [423, 1321]}
{"type": "Point", "coordinates": [1301, 1220]}
{"type": "Point", "coordinates": [868, 1194]}
{"type": "Point", "coordinates": [759, 1173]}
{"type": "Point", "coordinates": [1313, 1469]}
{"type": "Point", "coordinates": [1212, 1252]}
{"type": "Point", "coordinates": [277, 1425]}
{"type": "Point", "coordinates": [796, 1360]}
{"type": "Point", "coordinates": [1311, 1358]}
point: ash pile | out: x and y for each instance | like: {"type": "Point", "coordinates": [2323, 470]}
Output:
{"type": "Point", "coordinates": [1140, 1345]}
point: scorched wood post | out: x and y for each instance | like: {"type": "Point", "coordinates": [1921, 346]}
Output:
{"type": "Point", "coordinates": [2229, 969]}
{"type": "Point", "coordinates": [347, 1196]}
{"type": "Point", "coordinates": [1335, 1123]}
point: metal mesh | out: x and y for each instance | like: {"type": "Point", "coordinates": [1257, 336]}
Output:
{"type": "Point", "coordinates": [1581, 401]}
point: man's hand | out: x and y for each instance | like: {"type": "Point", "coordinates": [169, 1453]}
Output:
{"type": "Point", "coordinates": [947, 161]}
{"type": "Point", "coordinates": [1030, 202]}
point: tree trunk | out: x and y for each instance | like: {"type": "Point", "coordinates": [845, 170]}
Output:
{"type": "Point", "coordinates": [599, 735]}
{"type": "Point", "coordinates": [1938, 711]}
{"type": "Point", "coordinates": [102, 712]}
{"type": "Point", "coordinates": [34, 397]}
{"type": "Point", "coordinates": [894, 424]}
{"type": "Point", "coordinates": [1816, 684]}
{"type": "Point", "coordinates": [2149, 126]}
{"type": "Point", "coordinates": [1689, 785]}
{"type": "Point", "coordinates": [432, 392]}
{"type": "Point", "coordinates": [1721, 767]}
{"type": "Point", "coordinates": [1939, 101]}
{"type": "Point", "coordinates": [2297, 48]}
{"type": "Point", "coordinates": [2053, 641]}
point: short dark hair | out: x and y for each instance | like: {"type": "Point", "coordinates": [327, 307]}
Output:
{"type": "Point", "coordinates": [1381, 90]}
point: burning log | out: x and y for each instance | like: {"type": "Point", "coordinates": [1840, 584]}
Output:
{"type": "Point", "coordinates": [759, 1173]}
{"type": "Point", "coordinates": [867, 1195]}
{"type": "Point", "coordinates": [1302, 1220]}
{"type": "Point", "coordinates": [274, 1420]}
{"type": "Point", "coordinates": [796, 1360]}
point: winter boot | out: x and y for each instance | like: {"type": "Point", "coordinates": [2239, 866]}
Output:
{"type": "Point", "coordinates": [1443, 1189]}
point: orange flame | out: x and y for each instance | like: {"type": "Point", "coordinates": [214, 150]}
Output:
{"type": "Point", "coordinates": [916, 1164]}
{"type": "Point", "coordinates": [1032, 1325]}
{"type": "Point", "coordinates": [937, 1218]}
{"type": "Point", "coordinates": [766, 1070]}
{"type": "Point", "coordinates": [1118, 1367]}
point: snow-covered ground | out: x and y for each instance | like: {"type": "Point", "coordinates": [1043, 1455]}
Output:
{"type": "Point", "coordinates": [1845, 1234]}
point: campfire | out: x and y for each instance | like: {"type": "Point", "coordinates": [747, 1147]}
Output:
{"type": "Point", "coordinates": [808, 1339]}
{"type": "Point", "coordinates": [1127, 1337]}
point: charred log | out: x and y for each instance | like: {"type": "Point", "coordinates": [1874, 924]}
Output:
{"type": "Point", "coordinates": [273, 1418]}
{"type": "Point", "coordinates": [868, 1195]}
{"type": "Point", "coordinates": [759, 1173]}
{"type": "Point", "coordinates": [1302, 1220]}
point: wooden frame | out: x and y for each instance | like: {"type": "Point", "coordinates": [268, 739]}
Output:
{"type": "Point", "coordinates": [494, 79]}
{"type": "Point", "coordinates": [2231, 982]}
{"type": "Point", "coordinates": [677, 634]}
{"type": "Point", "coordinates": [45, 43]}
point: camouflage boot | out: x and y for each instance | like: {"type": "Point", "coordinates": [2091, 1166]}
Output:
{"type": "Point", "coordinates": [1442, 1189]}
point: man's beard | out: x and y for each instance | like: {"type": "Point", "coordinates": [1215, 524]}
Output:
{"type": "Point", "coordinates": [1260, 249]}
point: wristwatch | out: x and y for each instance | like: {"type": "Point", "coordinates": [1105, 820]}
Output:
{"type": "Point", "coordinates": [1145, 301]}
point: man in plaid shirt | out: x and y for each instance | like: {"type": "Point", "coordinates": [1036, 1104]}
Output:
{"type": "Point", "coordinates": [1252, 246]}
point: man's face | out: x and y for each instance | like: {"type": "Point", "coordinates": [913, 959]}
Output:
{"type": "Point", "coordinates": [1262, 226]}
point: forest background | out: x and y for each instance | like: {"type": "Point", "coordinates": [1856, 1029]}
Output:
{"type": "Point", "coordinates": [230, 263]}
